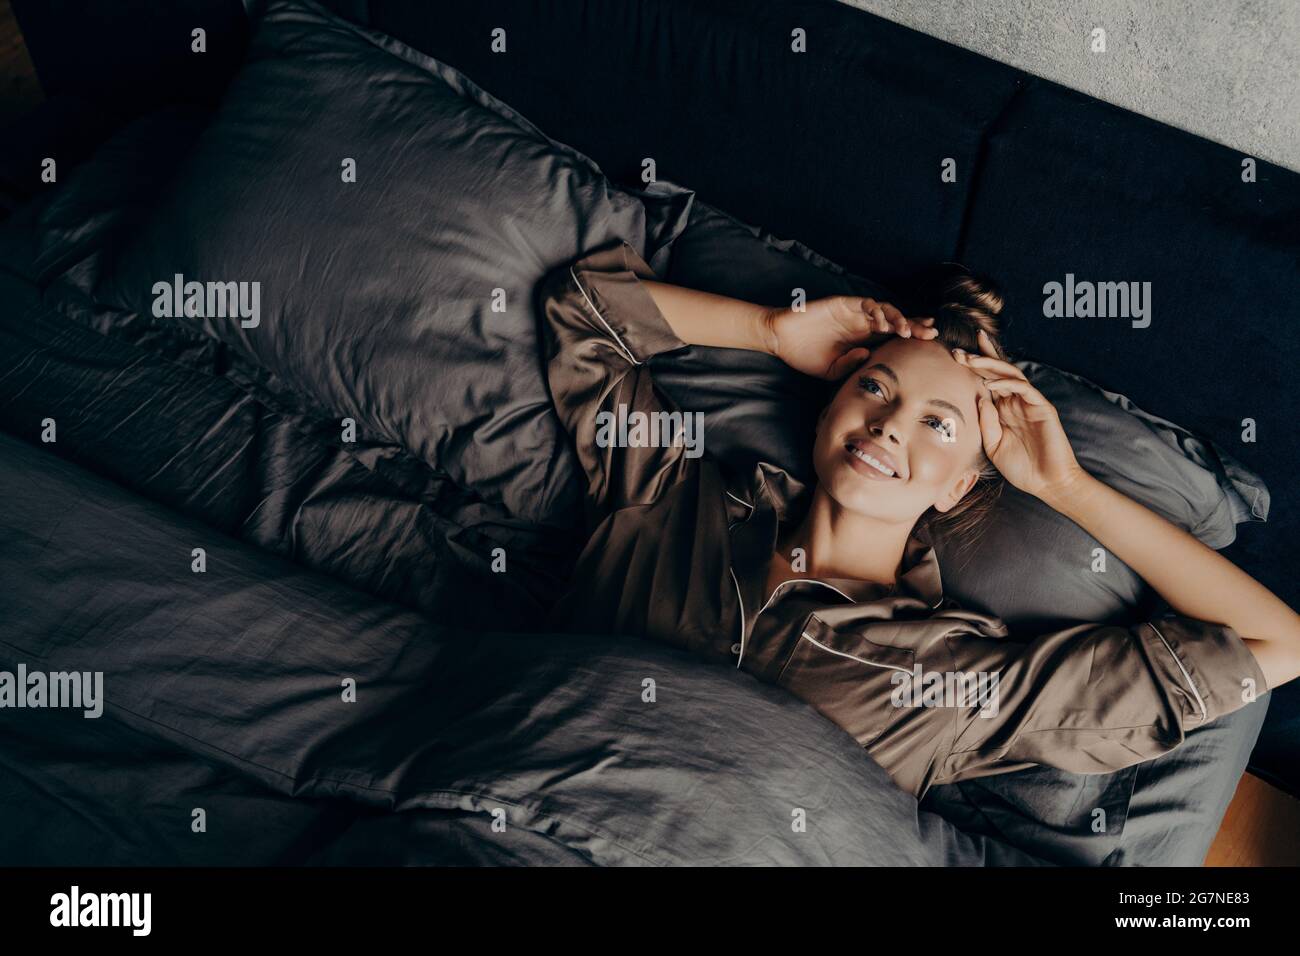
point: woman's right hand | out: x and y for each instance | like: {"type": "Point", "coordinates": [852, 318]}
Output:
{"type": "Point", "coordinates": [833, 336]}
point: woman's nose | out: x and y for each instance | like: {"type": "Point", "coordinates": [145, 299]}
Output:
{"type": "Point", "coordinates": [885, 429]}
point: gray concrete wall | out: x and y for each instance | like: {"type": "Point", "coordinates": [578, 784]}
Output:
{"type": "Point", "coordinates": [1228, 70]}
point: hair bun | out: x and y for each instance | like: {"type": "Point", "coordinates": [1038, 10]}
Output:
{"type": "Point", "coordinates": [962, 290]}
{"type": "Point", "coordinates": [963, 303]}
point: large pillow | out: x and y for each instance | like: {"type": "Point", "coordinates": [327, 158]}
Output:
{"type": "Point", "coordinates": [403, 299]}
{"type": "Point", "coordinates": [1031, 566]}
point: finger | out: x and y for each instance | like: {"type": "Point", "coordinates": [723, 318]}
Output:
{"type": "Point", "coordinates": [897, 320]}
{"type": "Point", "coordinates": [986, 344]}
{"type": "Point", "coordinates": [847, 362]}
{"type": "Point", "coordinates": [1016, 386]}
{"type": "Point", "coordinates": [985, 366]}
{"type": "Point", "coordinates": [1006, 369]}
{"type": "Point", "coordinates": [990, 425]}
{"type": "Point", "coordinates": [868, 313]}
{"type": "Point", "coordinates": [922, 331]}
{"type": "Point", "coordinates": [854, 312]}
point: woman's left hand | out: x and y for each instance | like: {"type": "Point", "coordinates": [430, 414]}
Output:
{"type": "Point", "coordinates": [831, 337]}
{"type": "Point", "coordinates": [1021, 429]}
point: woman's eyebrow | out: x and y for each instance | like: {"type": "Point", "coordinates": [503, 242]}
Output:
{"type": "Point", "coordinates": [937, 402]}
{"type": "Point", "coordinates": [940, 403]}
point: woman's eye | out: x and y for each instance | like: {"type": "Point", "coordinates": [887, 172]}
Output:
{"type": "Point", "coordinates": [943, 427]}
{"type": "Point", "coordinates": [867, 384]}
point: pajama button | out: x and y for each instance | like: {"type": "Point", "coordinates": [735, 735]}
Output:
{"type": "Point", "coordinates": [735, 648]}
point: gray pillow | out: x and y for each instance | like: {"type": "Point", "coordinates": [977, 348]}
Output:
{"type": "Point", "coordinates": [377, 298]}
{"type": "Point", "coordinates": [1031, 566]}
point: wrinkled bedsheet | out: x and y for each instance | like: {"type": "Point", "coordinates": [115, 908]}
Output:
{"type": "Point", "coordinates": [310, 722]}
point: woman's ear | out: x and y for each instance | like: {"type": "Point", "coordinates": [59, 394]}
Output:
{"type": "Point", "coordinates": [965, 483]}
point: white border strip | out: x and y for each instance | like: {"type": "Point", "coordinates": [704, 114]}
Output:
{"type": "Point", "coordinates": [741, 500]}
{"type": "Point", "coordinates": [1199, 702]}
{"type": "Point", "coordinates": [776, 590]}
{"type": "Point", "coordinates": [594, 311]}
{"type": "Point", "coordinates": [741, 601]}
{"type": "Point", "coordinates": [831, 650]}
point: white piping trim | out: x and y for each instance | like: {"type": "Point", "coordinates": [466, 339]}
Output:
{"type": "Point", "coordinates": [594, 311]}
{"type": "Point", "coordinates": [776, 589]}
{"type": "Point", "coordinates": [741, 500]}
{"type": "Point", "coordinates": [741, 601]}
{"type": "Point", "coordinates": [853, 657]}
{"type": "Point", "coordinates": [1200, 703]}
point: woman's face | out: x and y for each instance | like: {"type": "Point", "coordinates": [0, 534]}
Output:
{"type": "Point", "coordinates": [912, 409]}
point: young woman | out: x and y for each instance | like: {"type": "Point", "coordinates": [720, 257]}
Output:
{"type": "Point", "coordinates": [831, 591]}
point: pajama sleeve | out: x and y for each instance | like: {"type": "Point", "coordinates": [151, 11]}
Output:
{"type": "Point", "coordinates": [602, 327]}
{"type": "Point", "coordinates": [1097, 698]}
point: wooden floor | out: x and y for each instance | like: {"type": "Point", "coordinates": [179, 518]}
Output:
{"type": "Point", "coordinates": [1262, 825]}
{"type": "Point", "coordinates": [19, 91]}
{"type": "Point", "coordinates": [1261, 828]}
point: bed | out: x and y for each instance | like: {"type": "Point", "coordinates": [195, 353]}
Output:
{"type": "Point", "coordinates": [309, 551]}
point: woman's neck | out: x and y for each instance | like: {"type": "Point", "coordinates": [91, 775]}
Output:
{"type": "Point", "coordinates": [842, 544]}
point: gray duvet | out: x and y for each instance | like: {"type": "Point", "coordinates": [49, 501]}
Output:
{"type": "Point", "coordinates": [226, 691]}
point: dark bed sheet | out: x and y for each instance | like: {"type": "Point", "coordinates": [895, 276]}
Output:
{"type": "Point", "coordinates": [242, 668]}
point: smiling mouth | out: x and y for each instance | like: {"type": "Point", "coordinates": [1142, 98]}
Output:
{"type": "Point", "coordinates": [870, 460]}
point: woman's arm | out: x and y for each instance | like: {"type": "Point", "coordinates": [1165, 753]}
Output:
{"type": "Point", "coordinates": [702, 318]}
{"type": "Point", "coordinates": [1023, 436]}
{"type": "Point", "coordinates": [1195, 580]}
{"type": "Point", "coordinates": [827, 339]}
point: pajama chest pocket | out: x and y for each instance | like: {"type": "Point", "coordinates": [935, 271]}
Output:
{"type": "Point", "coordinates": [849, 679]}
